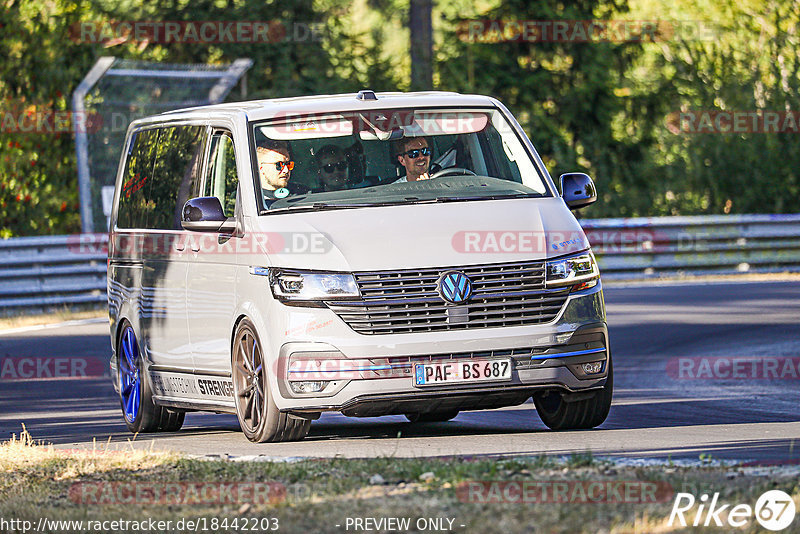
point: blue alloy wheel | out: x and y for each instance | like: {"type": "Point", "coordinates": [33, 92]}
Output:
{"type": "Point", "coordinates": [130, 383]}
{"type": "Point", "coordinates": [135, 395]}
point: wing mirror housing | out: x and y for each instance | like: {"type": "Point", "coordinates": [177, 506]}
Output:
{"type": "Point", "coordinates": [577, 190]}
{"type": "Point", "coordinates": [205, 214]}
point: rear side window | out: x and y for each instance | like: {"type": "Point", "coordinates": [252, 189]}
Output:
{"type": "Point", "coordinates": [175, 172]}
{"type": "Point", "coordinates": [137, 175]}
{"type": "Point", "coordinates": [160, 175]}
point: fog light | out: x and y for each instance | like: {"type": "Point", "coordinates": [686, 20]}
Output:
{"type": "Point", "coordinates": [308, 386]}
{"type": "Point", "coordinates": [592, 368]}
{"type": "Point", "coordinates": [584, 285]}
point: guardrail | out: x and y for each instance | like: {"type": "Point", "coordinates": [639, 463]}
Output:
{"type": "Point", "coordinates": [37, 273]}
{"type": "Point", "coordinates": [701, 245]}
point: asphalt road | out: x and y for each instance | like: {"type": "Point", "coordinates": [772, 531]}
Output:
{"type": "Point", "coordinates": [673, 399]}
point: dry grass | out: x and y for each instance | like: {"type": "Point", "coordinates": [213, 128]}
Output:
{"type": "Point", "coordinates": [36, 479]}
{"type": "Point", "coordinates": [21, 321]}
{"type": "Point", "coordinates": [24, 454]}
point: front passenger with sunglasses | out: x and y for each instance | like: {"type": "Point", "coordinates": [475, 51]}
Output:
{"type": "Point", "coordinates": [415, 156]}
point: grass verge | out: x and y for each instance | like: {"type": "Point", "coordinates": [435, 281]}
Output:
{"type": "Point", "coordinates": [57, 316]}
{"type": "Point", "coordinates": [331, 495]}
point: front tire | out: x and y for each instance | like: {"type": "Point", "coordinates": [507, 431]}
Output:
{"type": "Point", "coordinates": [559, 414]}
{"type": "Point", "coordinates": [141, 414]}
{"type": "Point", "coordinates": [259, 417]}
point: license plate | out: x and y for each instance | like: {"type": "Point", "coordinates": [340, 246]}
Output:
{"type": "Point", "coordinates": [432, 374]}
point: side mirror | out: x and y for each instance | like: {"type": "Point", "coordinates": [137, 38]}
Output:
{"type": "Point", "coordinates": [204, 214]}
{"type": "Point", "coordinates": [577, 190]}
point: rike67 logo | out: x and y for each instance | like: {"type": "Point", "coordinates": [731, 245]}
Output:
{"type": "Point", "coordinates": [774, 510]}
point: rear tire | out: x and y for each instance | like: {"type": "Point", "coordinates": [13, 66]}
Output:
{"type": "Point", "coordinates": [432, 417]}
{"type": "Point", "coordinates": [259, 417]}
{"type": "Point", "coordinates": [141, 414]}
{"type": "Point", "coordinates": [171, 420]}
{"type": "Point", "coordinates": [558, 414]}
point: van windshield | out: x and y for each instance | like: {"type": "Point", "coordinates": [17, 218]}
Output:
{"type": "Point", "coordinates": [389, 157]}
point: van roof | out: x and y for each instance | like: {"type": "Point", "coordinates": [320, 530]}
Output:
{"type": "Point", "coordinates": [276, 107]}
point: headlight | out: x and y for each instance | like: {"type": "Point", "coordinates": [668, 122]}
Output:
{"type": "Point", "coordinates": [579, 270]}
{"type": "Point", "coordinates": [298, 286]}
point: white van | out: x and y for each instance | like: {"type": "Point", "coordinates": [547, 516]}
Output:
{"type": "Point", "coordinates": [369, 254]}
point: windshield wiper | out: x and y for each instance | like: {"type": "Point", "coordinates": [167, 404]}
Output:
{"type": "Point", "coordinates": [320, 206]}
{"type": "Point", "coordinates": [487, 197]}
{"type": "Point", "coordinates": [435, 200]}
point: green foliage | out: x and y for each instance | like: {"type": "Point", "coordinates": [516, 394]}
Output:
{"type": "Point", "coordinates": [563, 93]}
{"type": "Point", "coordinates": [602, 108]}
{"type": "Point", "coordinates": [38, 187]}
{"type": "Point", "coordinates": [45, 59]}
{"type": "Point", "coordinates": [749, 63]}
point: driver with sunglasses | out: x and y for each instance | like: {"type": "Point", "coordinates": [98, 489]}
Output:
{"type": "Point", "coordinates": [275, 168]}
{"type": "Point", "coordinates": [415, 156]}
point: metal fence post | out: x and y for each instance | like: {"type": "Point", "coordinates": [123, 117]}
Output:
{"type": "Point", "coordinates": [81, 142]}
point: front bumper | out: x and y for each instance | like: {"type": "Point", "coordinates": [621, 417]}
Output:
{"type": "Point", "coordinates": [543, 357]}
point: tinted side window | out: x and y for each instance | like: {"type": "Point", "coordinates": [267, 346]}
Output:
{"type": "Point", "coordinates": [493, 146]}
{"type": "Point", "coordinates": [221, 178]}
{"type": "Point", "coordinates": [136, 178]}
{"type": "Point", "coordinates": [175, 172]}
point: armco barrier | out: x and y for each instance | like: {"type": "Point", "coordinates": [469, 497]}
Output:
{"type": "Point", "coordinates": [42, 272]}
{"type": "Point", "coordinates": [673, 246]}
{"type": "Point", "coordinates": [37, 273]}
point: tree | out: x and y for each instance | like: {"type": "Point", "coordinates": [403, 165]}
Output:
{"type": "Point", "coordinates": [744, 63]}
{"type": "Point", "coordinates": [566, 93]}
{"type": "Point", "coordinates": [420, 24]}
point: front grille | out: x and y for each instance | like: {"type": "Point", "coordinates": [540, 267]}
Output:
{"type": "Point", "coordinates": [509, 294]}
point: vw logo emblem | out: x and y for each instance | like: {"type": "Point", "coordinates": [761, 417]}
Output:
{"type": "Point", "coordinates": [455, 287]}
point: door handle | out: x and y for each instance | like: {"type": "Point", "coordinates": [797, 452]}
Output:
{"type": "Point", "coordinates": [195, 246]}
{"type": "Point", "coordinates": [180, 245]}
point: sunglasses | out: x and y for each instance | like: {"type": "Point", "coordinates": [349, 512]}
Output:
{"type": "Point", "coordinates": [279, 165]}
{"type": "Point", "coordinates": [339, 166]}
{"type": "Point", "coordinates": [415, 152]}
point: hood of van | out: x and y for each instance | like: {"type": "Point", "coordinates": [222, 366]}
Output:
{"type": "Point", "coordinates": [419, 235]}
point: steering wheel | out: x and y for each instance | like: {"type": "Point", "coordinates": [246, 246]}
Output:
{"type": "Point", "coordinates": [452, 170]}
